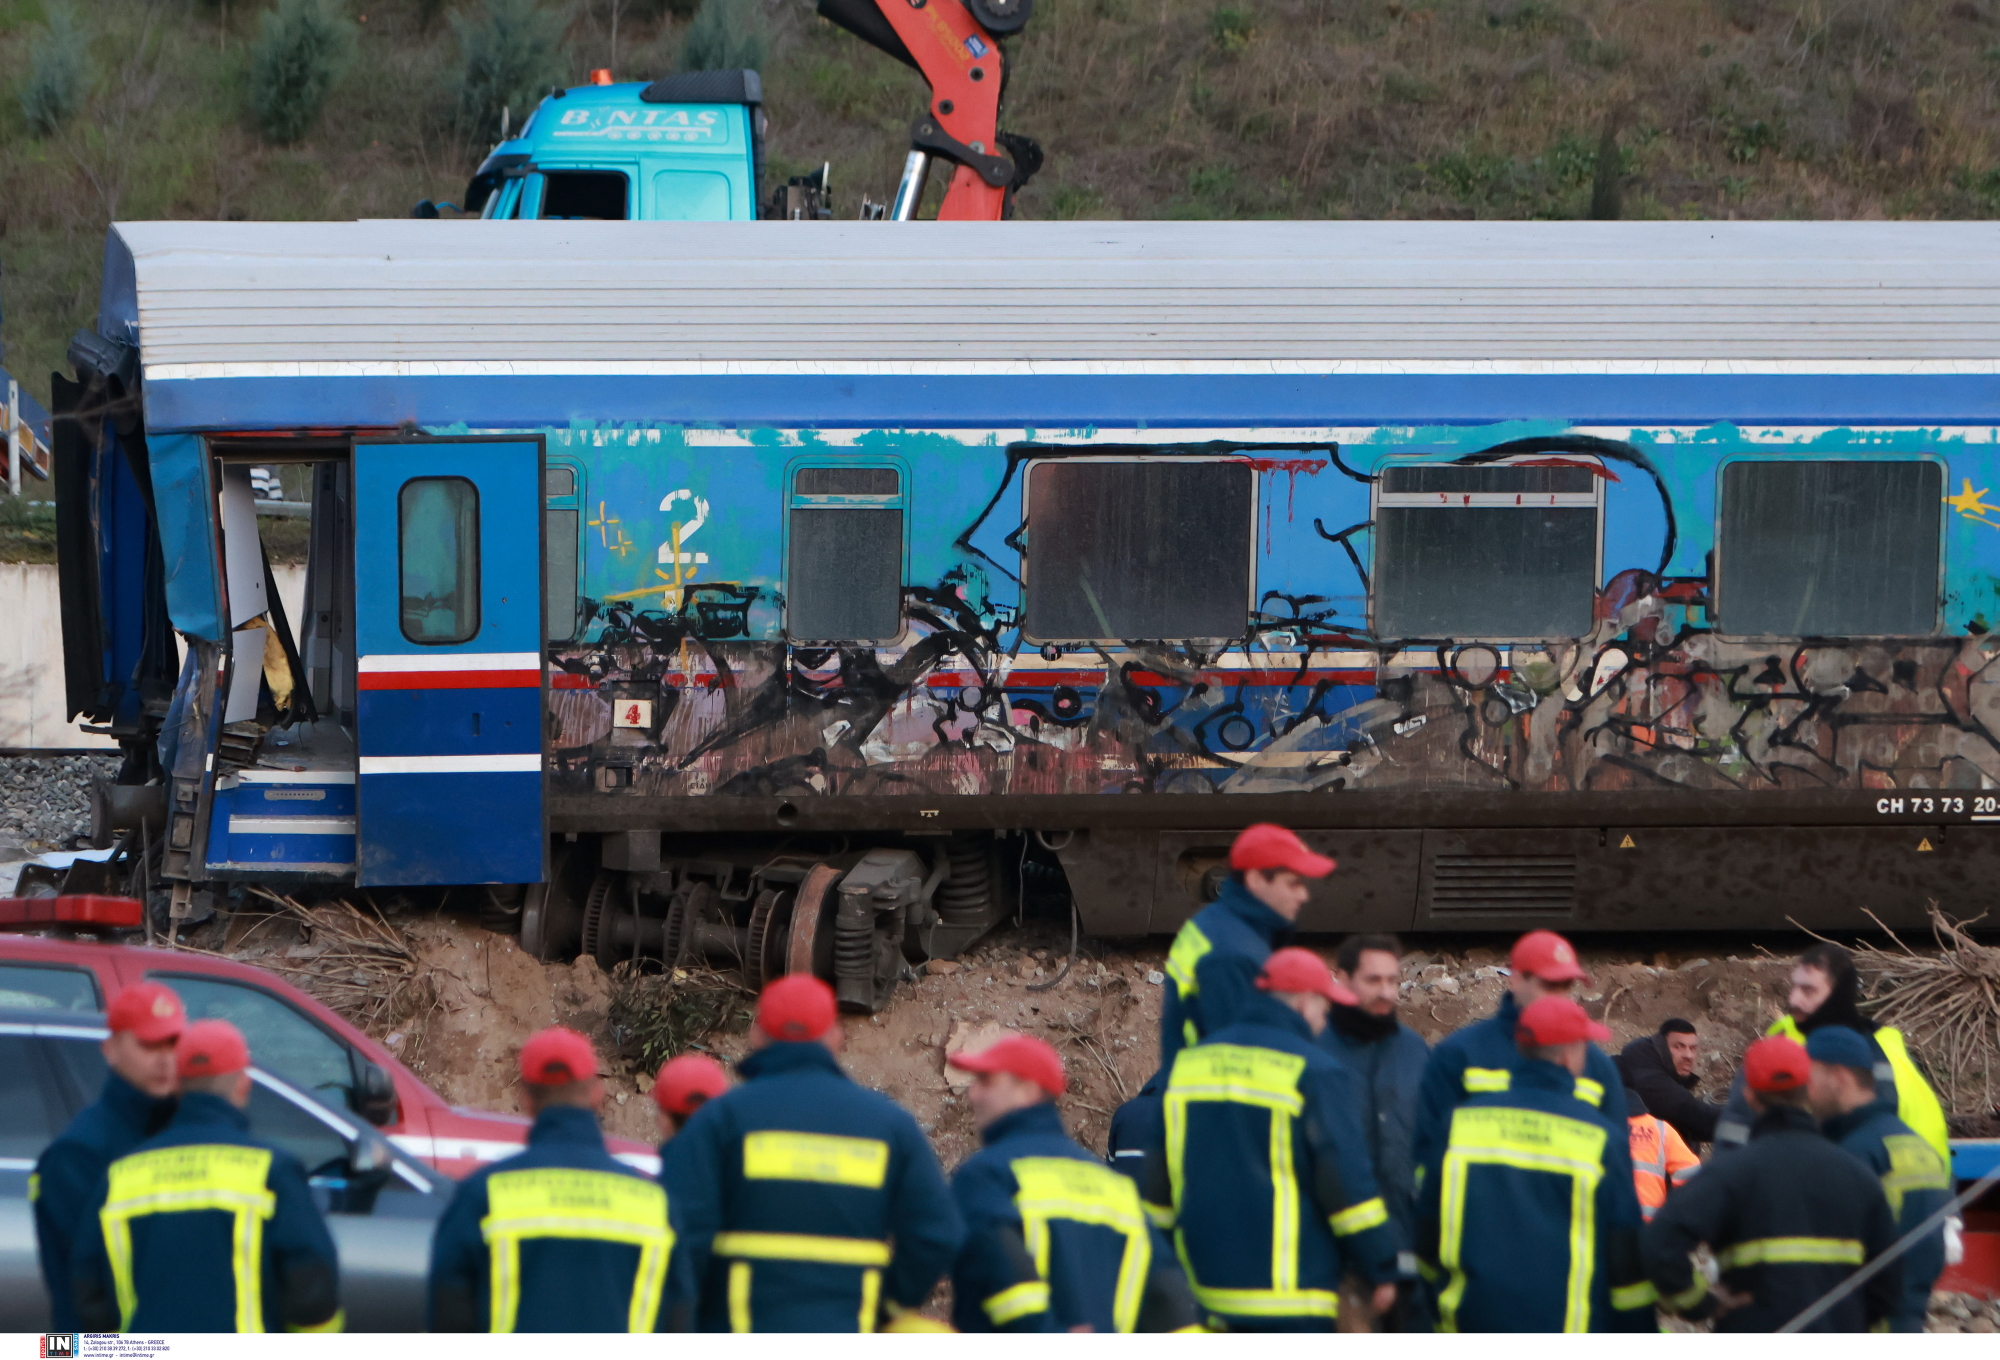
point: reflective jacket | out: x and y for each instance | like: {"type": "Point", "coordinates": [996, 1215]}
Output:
{"type": "Point", "coordinates": [1388, 1075]}
{"type": "Point", "coordinates": [1477, 1060]}
{"type": "Point", "coordinates": [1789, 1217]}
{"type": "Point", "coordinates": [1133, 1125]}
{"type": "Point", "coordinates": [1896, 1076]}
{"type": "Point", "coordinates": [810, 1204]}
{"type": "Point", "coordinates": [1915, 1182]}
{"type": "Point", "coordinates": [1055, 1239]}
{"type": "Point", "coordinates": [1529, 1215]}
{"type": "Point", "coordinates": [1213, 966]}
{"type": "Point", "coordinates": [560, 1237]}
{"type": "Point", "coordinates": [1660, 1159]}
{"type": "Point", "coordinates": [204, 1228]}
{"type": "Point", "coordinates": [67, 1173]}
{"type": "Point", "coordinates": [1260, 1166]}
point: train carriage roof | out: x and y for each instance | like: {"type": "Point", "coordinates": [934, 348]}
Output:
{"type": "Point", "coordinates": [1297, 323]}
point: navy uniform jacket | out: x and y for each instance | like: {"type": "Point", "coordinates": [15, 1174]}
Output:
{"type": "Point", "coordinates": [585, 1243]}
{"type": "Point", "coordinates": [1213, 966]}
{"type": "Point", "coordinates": [1916, 1183]}
{"type": "Point", "coordinates": [1268, 1219]}
{"type": "Point", "coordinates": [1477, 1059]}
{"type": "Point", "coordinates": [144, 1266]}
{"type": "Point", "coordinates": [1055, 1239]}
{"type": "Point", "coordinates": [1132, 1127]}
{"type": "Point", "coordinates": [1388, 1074]}
{"type": "Point", "coordinates": [810, 1204]}
{"type": "Point", "coordinates": [1789, 1216]}
{"type": "Point", "coordinates": [1529, 1213]}
{"type": "Point", "coordinates": [67, 1174]}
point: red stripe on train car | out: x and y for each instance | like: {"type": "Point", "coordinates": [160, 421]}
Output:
{"type": "Point", "coordinates": [449, 680]}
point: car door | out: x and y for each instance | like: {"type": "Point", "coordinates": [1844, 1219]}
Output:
{"type": "Point", "coordinates": [31, 1114]}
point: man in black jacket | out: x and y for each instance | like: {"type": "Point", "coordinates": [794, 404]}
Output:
{"type": "Point", "coordinates": [1789, 1218]}
{"type": "Point", "coordinates": [1660, 1067]}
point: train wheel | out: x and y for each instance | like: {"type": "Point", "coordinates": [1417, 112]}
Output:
{"type": "Point", "coordinates": [674, 935]}
{"type": "Point", "coordinates": [770, 938]}
{"type": "Point", "coordinates": [810, 948]}
{"type": "Point", "coordinates": [597, 908]}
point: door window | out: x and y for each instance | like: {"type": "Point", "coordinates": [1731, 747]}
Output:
{"type": "Point", "coordinates": [690, 196]}
{"type": "Point", "coordinates": [1139, 548]}
{"type": "Point", "coordinates": [600, 195]}
{"type": "Point", "coordinates": [318, 1145]}
{"type": "Point", "coordinates": [32, 987]}
{"type": "Point", "coordinates": [562, 512]}
{"type": "Point", "coordinates": [82, 1062]}
{"type": "Point", "coordinates": [27, 1124]}
{"type": "Point", "coordinates": [437, 535]}
{"type": "Point", "coordinates": [844, 574]}
{"type": "Point", "coordinates": [281, 1039]}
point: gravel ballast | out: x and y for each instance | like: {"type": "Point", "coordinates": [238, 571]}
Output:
{"type": "Point", "coordinates": [45, 800]}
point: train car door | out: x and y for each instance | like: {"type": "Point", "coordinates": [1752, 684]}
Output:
{"type": "Point", "coordinates": [449, 689]}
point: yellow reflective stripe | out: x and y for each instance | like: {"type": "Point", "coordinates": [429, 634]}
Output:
{"type": "Point", "coordinates": [1189, 948]}
{"type": "Point", "coordinates": [1160, 1216]}
{"type": "Point", "coordinates": [336, 1323]}
{"type": "Point", "coordinates": [34, 1186]}
{"type": "Point", "coordinates": [1526, 1140]}
{"type": "Point", "coordinates": [1085, 1192]}
{"type": "Point", "coordinates": [832, 1251]}
{"type": "Point", "coordinates": [1690, 1296]}
{"type": "Point", "coordinates": [1916, 1103]}
{"type": "Point", "coordinates": [1268, 1302]}
{"type": "Point", "coordinates": [218, 1177]}
{"type": "Point", "coordinates": [1787, 1027]}
{"type": "Point", "coordinates": [1016, 1302]}
{"type": "Point", "coordinates": [825, 1159]}
{"type": "Point", "coordinates": [1284, 1207]}
{"type": "Point", "coordinates": [1370, 1213]}
{"type": "Point", "coordinates": [1776, 1251]}
{"type": "Point", "coordinates": [871, 1298]}
{"type": "Point", "coordinates": [1238, 1073]}
{"type": "Point", "coordinates": [1590, 1092]}
{"type": "Point", "coordinates": [1912, 1166]}
{"type": "Point", "coordinates": [1486, 1080]}
{"type": "Point", "coordinates": [739, 1296]}
{"type": "Point", "coordinates": [566, 1202]}
{"type": "Point", "coordinates": [1626, 1297]}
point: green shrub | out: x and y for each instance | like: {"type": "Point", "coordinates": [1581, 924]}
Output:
{"type": "Point", "coordinates": [303, 48]}
{"type": "Point", "coordinates": [508, 58]}
{"type": "Point", "coordinates": [1232, 28]}
{"type": "Point", "coordinates": [58, 72]}
{"type": "Point", "coordinates": [726, 35]}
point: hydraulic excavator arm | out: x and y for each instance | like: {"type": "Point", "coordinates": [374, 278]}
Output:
{"type": "Point", "coordinates": [955, 46]}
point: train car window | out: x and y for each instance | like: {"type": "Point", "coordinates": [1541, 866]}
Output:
{"type": "Point", "coordinates": [844, 555]}
{"type": "Point", "coordinates": [562, 523]}
{"type": "Point", "coordinates": [1828, 548]}
{"type": "Point", "coordinates": [1503, 551]}
{"type": "Point", "coordinates": [1138, 548]}
{"type": "Point", "coordinates": [437, 530]}
{"type": "Point", "coordinates": [596, 195]}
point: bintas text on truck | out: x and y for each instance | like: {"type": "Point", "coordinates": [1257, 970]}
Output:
{"type": "Point", "coordinates": [796, 595]}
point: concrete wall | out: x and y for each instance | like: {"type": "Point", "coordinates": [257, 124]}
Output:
{"type": "Point", "coordinates": [31, 667]}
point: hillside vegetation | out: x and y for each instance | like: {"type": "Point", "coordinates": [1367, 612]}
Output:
{"type": "Point", "coordinates": [1166, 108]}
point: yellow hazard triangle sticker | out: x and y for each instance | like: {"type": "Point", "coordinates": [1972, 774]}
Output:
{"type": "Point", "coordinates": [1626, 844]}
{"type": "Point", "coordinates": [1924, 844]}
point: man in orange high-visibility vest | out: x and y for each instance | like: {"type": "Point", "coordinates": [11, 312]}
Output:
{"type": "Point", "coordinates": [1661, 1160]}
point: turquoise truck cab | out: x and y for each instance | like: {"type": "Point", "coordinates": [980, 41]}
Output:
{"type": "Point", "coordinates": [685, 148]}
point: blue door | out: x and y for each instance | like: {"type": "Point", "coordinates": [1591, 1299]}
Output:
{"type": "Point", "coordinates": [448, 624]}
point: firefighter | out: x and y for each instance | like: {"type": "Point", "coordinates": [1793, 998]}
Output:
{"type": "Point", "coordinates": [1131, 1122]}
{"type": "Point", "coordinates": [561, 1236]}
{"type": "Point", "coordinates": [1826, 990]}
{"type": "Point", "coordinates": [203, 1227]}
{"type": "Point", "coordinates": [1528, 1216]}
{"type": "Point", "coordinates": [1477, 1059]}
{"type": "Point", "coordinates": [145, 1021]}
{"type": "Point", "coordinates": [1259, 1164]}
{"type": "Point", "coordinates": [1055, 1240]}
{"type": "Point", "coordinates": [684, 1085]}
{"type": "Point", "coordinates": [1661, 1158]}
{"type": "Point", "coordinates": [812, 1204]}
{"type": "Point", "coordinates": [1212, 967]}
{"type": "Point", "coordinates": [1788, 1218]}
{"type": "Point", "coordinates": [1858, 1116]}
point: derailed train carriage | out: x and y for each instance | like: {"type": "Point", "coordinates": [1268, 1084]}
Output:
{"type": "Point", "coordinates": [787, 597]}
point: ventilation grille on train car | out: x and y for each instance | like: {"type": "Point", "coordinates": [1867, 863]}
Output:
{"type": "Point", "coordinates": [1503, 885]}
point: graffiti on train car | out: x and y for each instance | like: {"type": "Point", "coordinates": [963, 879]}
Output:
{"type": "Point", "coordinates": [1308, 697]}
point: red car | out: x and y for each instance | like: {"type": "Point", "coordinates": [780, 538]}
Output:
{"type": "Point", "coordinates": [291, 1035]}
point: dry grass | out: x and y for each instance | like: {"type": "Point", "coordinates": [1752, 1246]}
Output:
{"type": "Point", "coordinates": [657, 1016]}
{"type": "Point", "coordinates": [1947, 1004]}
{"type": "Point", "coordinates": [353, 962]}
{"type": "Point", "coordinates": [1177, 108]}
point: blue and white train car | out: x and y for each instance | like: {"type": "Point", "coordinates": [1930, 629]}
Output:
{"type": "Point", "coordinates": [782, 592]}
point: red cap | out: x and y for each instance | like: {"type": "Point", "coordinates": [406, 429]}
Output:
{"type": "Point", "coordinates": [557, 1057]}
{"type": "Point", "coordinates": [796, 1006]}
{"type": "Point", "coordinates": [1265, 846]}
{"type": "Point", "coordinates": [1028, 1059]}
{"type": "Point", "coordinates": [148, 1011]}
{"type": "Point", "coordinates": [685, 1082]}
{"type": "Point", "coordinates": [1558, 1020]}
{"type": "Point", "coordinates": [211, 1048]}
{"type": "Point", "coordinates": [1301, 970]}
{"type": "Point", "coordinates": [1545, 955]}
{"type": "Point", "coordinates": [1776, 1064]}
